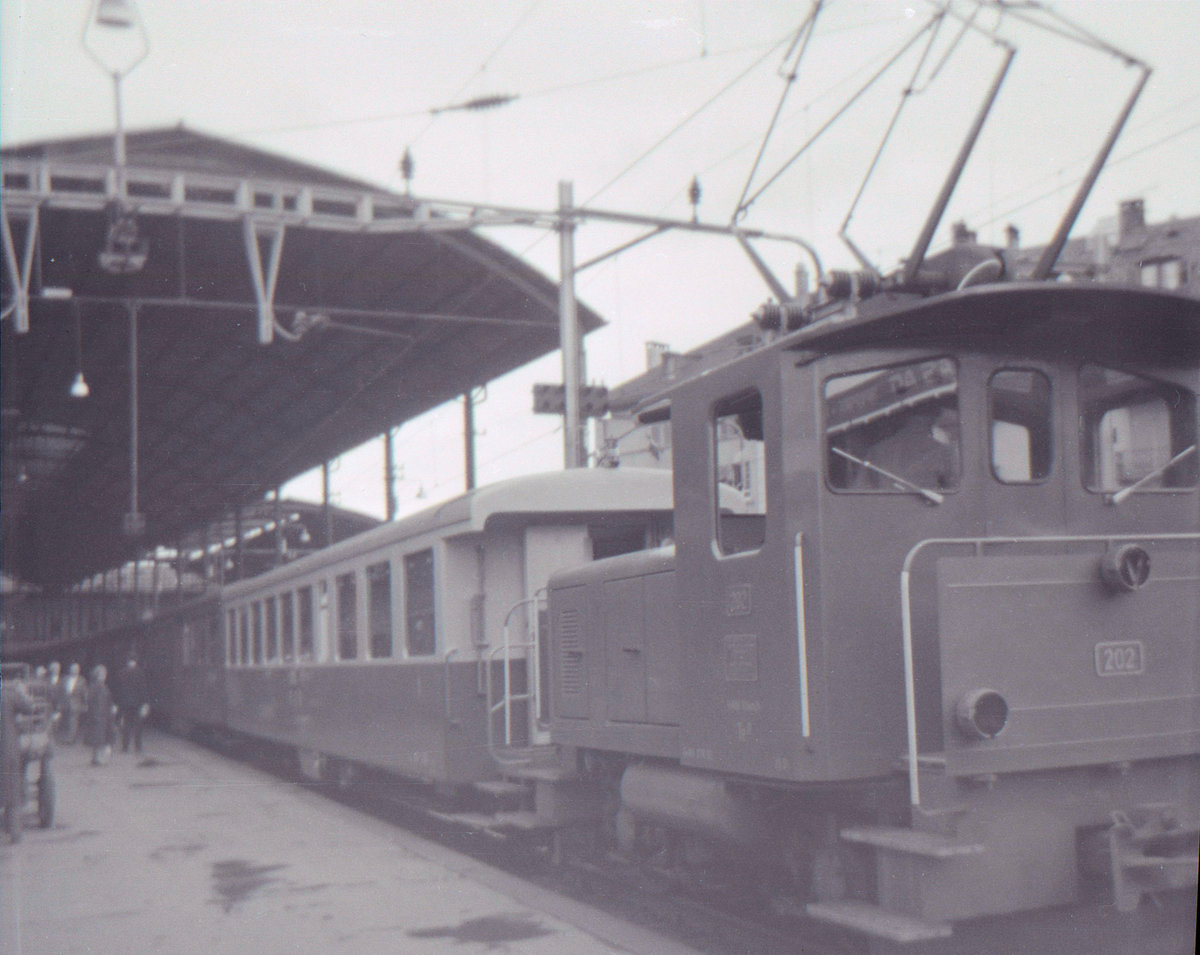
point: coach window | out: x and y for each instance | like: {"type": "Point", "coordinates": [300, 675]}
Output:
{"type": "Point", "coordinates": [323, 637]}
{"type": "Point", "coordinates": [740, 473]}
{"type": "Point", "coordinates": [420, 638]}
{"type": "Point", "coordinates": [231, 638]}
{"type": "Point", "coordinates": [1136, 432]}
{"type": "Point", "coordinates": [287, 626]}
{"type": "Point", "coordinates": [304, 617]}
{"type": "Point", "coordinates": [894, 430]}
{"type": "Point", "coordinates": [1022, 446]}
{"type": "Point", "coordinates": [347, 616]}
{"type": "Point", "coordinates": [244, 635]}
{"type": "Point", "coordinates": [272, 608]}
{"type": "Point", "coordinates": [379, 609]}
{"type": "Point", "coordinates": [256, 623]}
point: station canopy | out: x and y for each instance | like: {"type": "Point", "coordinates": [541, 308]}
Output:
{"type": "Point", "coordinates": [282, 315]}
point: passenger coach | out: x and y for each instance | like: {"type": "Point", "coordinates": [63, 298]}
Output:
{"type": "Point", "coordinates": [385, 650]}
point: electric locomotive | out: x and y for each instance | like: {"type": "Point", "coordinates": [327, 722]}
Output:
{"type": "Point", "coordinates": [943, 662]}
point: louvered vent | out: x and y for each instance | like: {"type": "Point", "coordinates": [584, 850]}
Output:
{"type": "Point", "coordinates": [570, 642]}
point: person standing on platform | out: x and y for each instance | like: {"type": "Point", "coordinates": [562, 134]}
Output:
{"type": "Point", "coordinates": [14, 700]}
{"type": "Point", "coordinates": [52, 690]}
{"type": "Point", "coordinates": [100, 710]}
{"type": "Point", "coordinates": [133, 704]}
{"type": "Point", "coordinates": [72, 701]}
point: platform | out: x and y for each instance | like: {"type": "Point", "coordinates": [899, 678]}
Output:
{"type": "Point", "coordinates": [182, 851]}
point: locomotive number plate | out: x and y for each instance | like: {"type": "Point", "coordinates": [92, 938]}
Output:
{"type": "Point", "coordinates": [1121, 658]}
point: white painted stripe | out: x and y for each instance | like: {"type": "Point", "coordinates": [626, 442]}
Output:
{"type": "Point", "coordinates": [802, 636]}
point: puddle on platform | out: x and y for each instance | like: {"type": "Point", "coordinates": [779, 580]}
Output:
{"type": "Point", "coordinates": [183, 849]}
{"type": "Point", "coordinates": [490, 930]}
{"type": "Point", "coordinates": [72, 835]}
{"type": "Point", "coordinates": [235, 880]}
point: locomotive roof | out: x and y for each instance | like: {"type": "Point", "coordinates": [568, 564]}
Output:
{"type": "Point", "coordinates": [1109, 323]}
{"type": "Point", "coordinates": [1106, 323]}
{"type": "Point", "coordinates": [576, 492]}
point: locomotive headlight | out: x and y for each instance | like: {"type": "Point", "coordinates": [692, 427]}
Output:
{"type": "Point", "coordinates": [1126, 568]}
{"type": "Point", "coordinates": [981, 714]}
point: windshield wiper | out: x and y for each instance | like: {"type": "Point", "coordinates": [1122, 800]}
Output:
{"type": "Point", "coordinates": [933, 497]}
{"type": "Point", "coordinates": [1156, 473]}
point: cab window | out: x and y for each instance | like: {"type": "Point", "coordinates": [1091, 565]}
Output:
{"type": "Point", "coordinates": [1021, 437]}
{"type": "Point", "coordinates": [1135, 431]}
{"type": "Point", "coordinates": [894, 430]}
{"type": "Point", "coordinates": [740, 473]}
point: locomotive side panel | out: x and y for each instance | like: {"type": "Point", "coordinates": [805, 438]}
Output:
{"type": "Point", "coordinates": [616, 656]}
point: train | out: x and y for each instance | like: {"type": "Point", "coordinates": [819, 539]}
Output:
{"type": "Point", "coordinates": [908, 637]}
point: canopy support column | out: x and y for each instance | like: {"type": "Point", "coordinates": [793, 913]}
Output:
{"type": "Point", "coordinates": [19, 273]}
{"type": "Point", "coordinates": [264, 283]}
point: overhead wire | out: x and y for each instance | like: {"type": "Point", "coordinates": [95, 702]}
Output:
{"type": "Point", "coordinates": [910, 90]}
{"type": "Point", "coordinates": [1112, 162]}
{"type": "Point", "coordinates": [799, 47]}
{"type": "Point", "coordinates": [904, 47]}
{"type": "Point", "coordinates": [1083, 159]}
{"type": "Point", "coordinates": [482, 68]}
{"type": "Point", "coordinates": [813, 101]}
{"type": "Point", "coordinates": [686, 120]}
{"type": "Point", "coordinates": [534, 94]}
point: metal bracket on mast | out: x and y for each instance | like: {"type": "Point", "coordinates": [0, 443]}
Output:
{"type": "Point", "coordinates": [264, 284]}
{"type": "Point", "coordinates": [777, 288]}
{"type": "Point", "coordinates": [20, 272]}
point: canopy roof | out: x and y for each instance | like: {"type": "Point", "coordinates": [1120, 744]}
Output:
{"type": "Point", "coordinates": [374, 318]}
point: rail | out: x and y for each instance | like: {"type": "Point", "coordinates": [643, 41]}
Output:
{"type": "Point", "coordinates": [532, 693]}
{"type": "Point", "coordinates": [979, 543]}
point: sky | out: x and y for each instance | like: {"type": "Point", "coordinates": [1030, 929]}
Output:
{"type": "Point", "coordinates": [629, 100]}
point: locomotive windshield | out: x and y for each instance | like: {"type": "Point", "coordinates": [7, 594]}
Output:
{"type": "Point", "coordinates": [1137, 433]}
{"type": "Point", "coordinates": [895, 429]}
{"type": "Point", "coordinates": [1021, 412]}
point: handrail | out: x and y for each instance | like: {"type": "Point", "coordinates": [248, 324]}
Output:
{"type": "Point", "coordinates": [910, 692]}
{"type": "Point", "coordinates": [505, 702]}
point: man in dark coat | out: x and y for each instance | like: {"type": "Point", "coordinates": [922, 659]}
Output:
{"type": "Point", "coordinates": [14, 700]}
{"type": "Point", "coordinates": [133, 704]}
{"type": "Point", "coordinates": [99, 716]}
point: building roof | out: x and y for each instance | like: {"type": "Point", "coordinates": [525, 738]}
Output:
{"type": "Point", "coordinates": [376, 319]}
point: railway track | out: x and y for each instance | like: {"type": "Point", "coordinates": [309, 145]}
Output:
{"type": "Point", "coordinates": [705, 919]}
